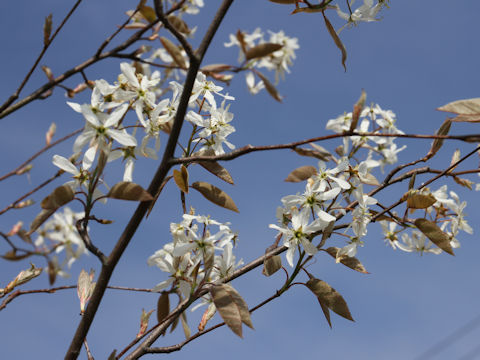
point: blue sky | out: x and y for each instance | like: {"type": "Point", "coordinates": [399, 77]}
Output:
{"type": "Point", "coordinates": [420, 56]}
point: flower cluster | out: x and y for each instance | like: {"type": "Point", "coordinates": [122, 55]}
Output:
{"type": "Point", "coordinates": [278, 61]}
{"type": "Point", "coordinates": [446, 210]}
{"type": "Point", "coordinates": [196, 255]}
{"type": "Point", "coordinates": [61, 232]}
{"type": "Point", "coordinates": [105, 130]}
{"type": "Point", "coordinates": [374, 120]}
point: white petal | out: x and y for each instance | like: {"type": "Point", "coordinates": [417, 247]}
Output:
{"type": "Point", "coordinates": [122, 137]}
{"type": "Point", "coordinates": [115, 116]}
{"type": "Point", "coordinates": [129, 73]}
{"type": "Point", "coordinates": [64, 164]}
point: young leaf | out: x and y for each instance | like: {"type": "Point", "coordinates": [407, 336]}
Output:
{"type": "Point", "coordinates": [179, 25]}
{"type": "Point", "coordinates": [214, 167]}
{"type": "Point", "coordinates": [12, 255]}
{"type": "Point", "coordinates": [337, 40]}
{"type": "Point", "coordinates": [22, 277]}
{"type": "Point", "coordinates": [40, 219]}
{"type": "Point", "coordinates": [163, 307]}
{"type": "Point", "coordinates": [125, 190]}
{"type": "Point", "coordinates": [437, 143]}
{"type": "Point", "coordinates": [326, 312]}
{"type": "Point", "coordinates": [59, 197]}
{"type": "Point", "coordinates": [271, 265]}
{"type": "Point", "coordinates": [270, 87]}
{"type": "Point", "coordinates": [467, 110]}
{"type": "Point", "coordinates": [322, 155]}
{"type": "Point", "coordinates": [227, 308]}
{"type": "Point", "coordinates": [357, 109]}
{"type": "Point", "coordinates": [349, 261]}
{"type": "Point", "coordinates": [464, 182]}
{"type": "Point", "coordinates": [144, 319]}
{"type": "Point", "coordinates": [148, 13]}
{"type": "Point", "coordinates": [241, 304]}
{"type": "Point", "coordinates": [181, 179]}
{"type": "Point", "coordinates": [420, 201]}
{"type": "Point", "coordinates": [174, 52]}
{"type": "Point", "coordinates": [47, 30]}
{"type": "Point", "coordinates": [186, 328]}
{"type": "Point", "coordinates": [302, 173]}
{"type": "Point", "coordinates": [330, 297]}
{"type": "Point", "coordinates": [435, 234]}
{"type": "Point", "coordinates": [262, 50]}
{"type": "Point", "coordinates": [215, 195]}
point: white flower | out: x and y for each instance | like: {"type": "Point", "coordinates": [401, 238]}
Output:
{"type": "Point", "coordinates": [299, 233]}
{"type": "Point", "coordinates": [366, 12]}
{"type": "Point", "coordinates": [417, 243]}
{"type": "Point", "coordinates": [322, 178]}
{"type": "Point", "coordinates": [98, 131]}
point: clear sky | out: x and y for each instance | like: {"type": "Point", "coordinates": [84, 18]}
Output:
{"type": "Point", "coordinates": [421, 55]}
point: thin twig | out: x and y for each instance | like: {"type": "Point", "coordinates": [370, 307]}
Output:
{"type": "Point", "coordinates": [250, 148]}
{"type": "Point", "coordinates": [15, 95]}
{"type": "Point", "coordinates": [37, 154]}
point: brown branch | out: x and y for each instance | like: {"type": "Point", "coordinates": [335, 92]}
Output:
{"type": "Point", "coordinates": [250, 148]}
{"type": "Point", "coordinates": [77, 69]}
{"type": "Point", "coordinates": [18, 293]}
{"type": "Point", "coordinates": [164, 20]}
{"type": "Point", "coordinates": [82, 231]}
{"type": "Point", "coordinates": [179, 346]}
{"type": "Point", "coordinates": [37, 154]}
{"type": "Point", "coordinates": [162, 171]}
{"type": "Point", "coordinates": [34, 190]}
{"type": "Point", "coordinates": [445, 172]}
{"type": "Point", "coordinates": [16, 94]}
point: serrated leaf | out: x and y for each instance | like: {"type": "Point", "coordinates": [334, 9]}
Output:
{"type": "Point", "coordinates": [351, 262]}
{"type": "Point", "coordinates": [163, 306]}
{"type": "Point", "coordinates": [126, 190]}
{"type": "Point", "coordinates": [301, 174]}
{"type": "Point", "coordinates": [420, 201]}
{"type": "Point", "coordinates": [59, 197]}
{"type": "Point", "coordinates": [47, 30]}
{"type": "Point", "coordinates": [437, 143]}
{"type": "Point", "coordinates": [181, 178]}
{"type": "Point", "coordinates": [174, 52]}
{"type": "Point", "coordinates": [179, 25]}
{"type": "Point", "coordinates": [227, 308]}
{"type": "Point", "coordinates": [40, 219]}
{"type": "Point", "coordinates": [271, 265]}
{"type": "Point", "coordinates": [215, 195]}
{"type": "Point", "coordinates": [148, 13]}
{"type": "Point", "coordinates": [271, 89]}
{"type": "Point", "coordinates": [435, 234]}
{"type": "Point", "coordinates": [467, 110]}
{"type": "Point", "coordinates": [262, 50]}
{"type": "Point", "coordinates": [329, 297]}
{"type": "Point", "coordinates": [337, 40]}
